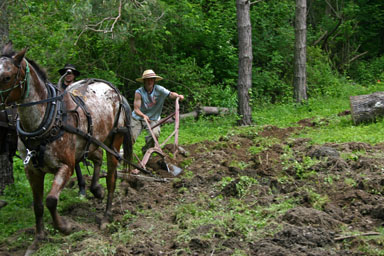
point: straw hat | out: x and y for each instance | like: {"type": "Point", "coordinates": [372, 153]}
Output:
{"type": "Point", "coordinates": [71, 67]}
{"type": "Point", "coordinates": [149, 73]}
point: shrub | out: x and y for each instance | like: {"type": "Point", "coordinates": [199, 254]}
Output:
{"type": "Point", "coordinates": [321, 80]}
{"type": "Point", "coordinates": [368, 72]}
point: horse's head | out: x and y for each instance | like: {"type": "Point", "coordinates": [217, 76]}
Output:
{"type": "Point", "coordinates": [12, 76]}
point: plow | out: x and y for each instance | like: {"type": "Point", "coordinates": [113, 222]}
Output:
{"type": "Point", "coordinates": [158, 148]}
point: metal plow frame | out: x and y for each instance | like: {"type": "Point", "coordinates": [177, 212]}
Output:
{"type": "Point", "coordinates": [158, 147]}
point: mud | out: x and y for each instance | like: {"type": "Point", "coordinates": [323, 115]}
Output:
{"type": "Point", "coordinates": [347, 179]}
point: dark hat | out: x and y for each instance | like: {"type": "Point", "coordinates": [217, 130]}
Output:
{"type": "Point", "coordinates": [71, 67]}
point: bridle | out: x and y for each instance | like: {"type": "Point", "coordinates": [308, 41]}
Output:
{"type": "Point", "coordinates": [17, 84]}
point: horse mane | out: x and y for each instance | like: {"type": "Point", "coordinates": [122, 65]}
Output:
{"type": "Point", "coordinates": [41, 72]}
{"type": "Point", "coordinates": [8, 53]}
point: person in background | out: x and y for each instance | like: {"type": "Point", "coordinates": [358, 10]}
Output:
{"type": "Point", "coordinates": [148, 105]}
{"type": "Point", "coordinates": [70, 77]}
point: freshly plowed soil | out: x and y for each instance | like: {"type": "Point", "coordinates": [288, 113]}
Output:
{"type": "Point", "coordinates": [337, 190]}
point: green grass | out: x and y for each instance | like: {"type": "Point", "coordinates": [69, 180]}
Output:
{"type": "Point", "coordinates": [227, 218]}
{"type": "Point", "coordinates": [18, 214]}
{"type": "Point", "coordinates": [324, 111]}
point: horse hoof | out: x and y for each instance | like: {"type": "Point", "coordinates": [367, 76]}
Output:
{"type": "Point", "coordinates": [82, 193]}
{"type": "Point", "coordinates": [107, 219]}
{"type": "Point", "coordinates": [103, 224]}
{"type": "Point", "coordinates": [65, 227]}
{"type": "Point", "coordinates": [98, 191]}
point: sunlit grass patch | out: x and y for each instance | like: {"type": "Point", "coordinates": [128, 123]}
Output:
{"type": "Point", "coordinates": [228, 218]}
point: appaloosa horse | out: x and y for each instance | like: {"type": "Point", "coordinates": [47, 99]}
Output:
{"type": "Point", "coordinates": [8, 147]}
{"type": "Point", "coordinates": [58, 128]}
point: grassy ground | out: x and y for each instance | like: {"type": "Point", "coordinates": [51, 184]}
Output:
{"type": "Point", "coordinates": [18, 214]}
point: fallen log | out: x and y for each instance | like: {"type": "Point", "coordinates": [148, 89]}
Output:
{"type": "Point", "coordinates": [367, 108]}
{"type": "Point", "coordinates": [203, 111]}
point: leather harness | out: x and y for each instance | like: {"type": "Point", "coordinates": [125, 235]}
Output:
{"type": "Point", "coordinates": [55, 124]}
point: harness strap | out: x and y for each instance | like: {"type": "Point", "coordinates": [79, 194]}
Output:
{"type": "Point", "coordinates": [49, 129]}
{"type": "Point", "coordinates": [28, 104]}
{"type": "Point", "coordinates": [80, 103]}
{"type": "Point", "coordinates": [72, 129]}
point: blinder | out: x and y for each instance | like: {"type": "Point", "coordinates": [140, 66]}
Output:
{"type": "Point", "coordinates": [19, 83]}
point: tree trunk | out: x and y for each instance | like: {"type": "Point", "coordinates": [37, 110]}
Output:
{"type": "Point", "coordinates": [3, 22]}
{"type": "Point", "coordinates": [367, 108]}
{"type": "Point", "coordinates": [6, 167]}
{"type": "Point", "coordinates": [244, 83]}
{"type": "Point", "coordinates": [300, 76]}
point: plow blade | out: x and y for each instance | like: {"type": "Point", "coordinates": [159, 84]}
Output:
{"type": "Point", "coordinates": [175, 170]}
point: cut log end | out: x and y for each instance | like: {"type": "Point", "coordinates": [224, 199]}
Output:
{"type": "Point", "coordinates": [367, 108]}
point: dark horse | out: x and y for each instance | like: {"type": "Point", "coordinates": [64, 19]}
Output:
{"type": "Point", "coordinates": [58, 129]}
{"type": "Point", "coordinates": [8, 143]}
{"type": "Point", "coordinates": [8, 135]}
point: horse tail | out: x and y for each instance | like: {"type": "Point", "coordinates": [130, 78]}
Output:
{"type": "Point", "coordinates": [128, 138]}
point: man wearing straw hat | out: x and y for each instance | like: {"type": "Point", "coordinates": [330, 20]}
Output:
{"type": "Point", "coordinates": [148, 105]}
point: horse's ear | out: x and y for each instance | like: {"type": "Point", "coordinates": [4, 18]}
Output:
{"type": "Point", "coordinates": [8, 48]}
{"type": "Point", "coordinates": [19, 56]}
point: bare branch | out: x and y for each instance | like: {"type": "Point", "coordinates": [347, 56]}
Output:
{"type": "Point", "coordinates": [333, 9]}
{"type": "Point", "coordinates": [129, 80]}
{"type": "Point", "coordinates": [2, 5]}
{"type": "Point", "coordinates": [98, 26]}
{"type": "Point", "coordinates": [255, 2]}
{"type": "Point", "coordinates": [357, 56]}
{"type": "Point", "coordinates": [158, 18]}
{"type": "Point", "coordinates": [321, 38]}
{"type": "Point", "coordinates": [137, 3]}
{"type": "Point", "coordinates": [357, 235]}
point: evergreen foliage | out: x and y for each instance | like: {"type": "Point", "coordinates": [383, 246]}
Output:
{"type": "Point", "coordinates": [193, 44]}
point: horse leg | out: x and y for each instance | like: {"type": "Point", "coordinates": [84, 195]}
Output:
{"type": "Point", "coordinates": [36, 181]}
{"type": "Point", "coordinates": [80, 180]}
{"type": "Point", "coordinates": [112, 163]}
{"type": "Point", "coordinates": [97, 159]}
{"type": "Point", "coordinates": [61, 178]}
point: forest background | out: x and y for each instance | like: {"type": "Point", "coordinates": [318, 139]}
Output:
{"type": "Point", "coordinates": [194, 45]}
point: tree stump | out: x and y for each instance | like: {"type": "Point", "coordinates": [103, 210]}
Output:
{"type": "Point", "coordinates": [367, 108]}
{"type": "Point", "coordinates": [6, 172]}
